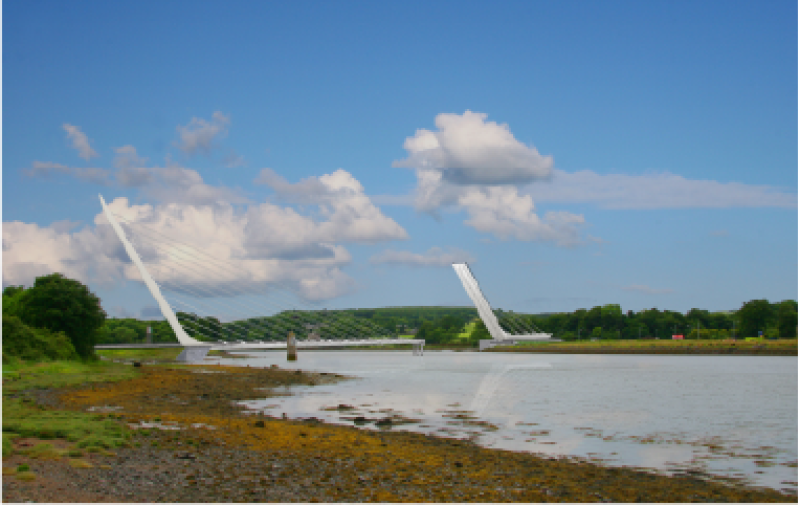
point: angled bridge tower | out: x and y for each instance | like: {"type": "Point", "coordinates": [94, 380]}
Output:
{"type": "Point", "coordinates": [193, 349]}
{"type": "Point", "coordinates": [499, 336]}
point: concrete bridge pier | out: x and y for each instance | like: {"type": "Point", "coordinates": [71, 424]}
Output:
{"type": "Point", "coordinates": [193, 353]}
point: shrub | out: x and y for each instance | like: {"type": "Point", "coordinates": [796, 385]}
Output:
{"type": "Point", "coordinates": [21, 342]}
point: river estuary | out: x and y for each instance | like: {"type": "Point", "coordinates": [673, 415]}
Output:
{"type": "Point", "coordinates": [733, 417]}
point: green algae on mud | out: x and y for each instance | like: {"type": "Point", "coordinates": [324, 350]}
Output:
{"type": "Point", "coordinates": [348, 464]}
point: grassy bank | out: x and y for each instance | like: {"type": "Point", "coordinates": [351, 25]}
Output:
{"type": "Point", "coordinates": [222, 453]}
{"type": "Point", "coordinates": [150, 356]}
{"type": "Point", "coordinates": [765, 347]}
{"type": "Point", "coordinates": [24, 417]}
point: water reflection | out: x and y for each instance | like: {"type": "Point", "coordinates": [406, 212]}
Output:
{"type": "Point", "coordinates": [726, 415]}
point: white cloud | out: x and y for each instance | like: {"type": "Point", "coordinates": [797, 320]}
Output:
{"type": "Point", "coordinates": [467, 149]}
{"type": "Point", "coordinates": [171, 183]}
{"type": "Point", "coordinates": [309, 190]}
{"type": "Point", "coordinates": [80, 142]}
{"type": "Point", "coordinates": [30, 251]}
{"type": "Point", "coordinates": [253, 248]}
{"type": "Point", "coordinates": [475, 165]}
{"type": "Point", "coordinates": [434, 257]}
{"type": "Point", "coordinates": [656, 191]}
{"type": "Point", "coordinates": [176, 184]}
{"type": "Point", "coordinates": [349, 214]}
{"type": "Point", "coordinates": [47, 169]}
{"type": "Point", "coordinates": [240, 263]}
{"type": "Point", "coordinates": [640, 288]}
{"type": "Point", "coordinates": [501, 211]}
{"type": "Point", "coordinates": [199, 134]}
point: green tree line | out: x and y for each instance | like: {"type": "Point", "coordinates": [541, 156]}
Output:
{"type": "Point", "coordinates": [59, 317]}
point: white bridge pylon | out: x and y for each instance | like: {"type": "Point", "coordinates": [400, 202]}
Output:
{"type": "Point", "coordinates": [497, 332]}
{"type": "Point", "coordinates": [195, 350]}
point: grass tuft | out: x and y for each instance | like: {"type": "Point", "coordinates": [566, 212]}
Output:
{"type": "Point", "coordinates": [8, 447]}
{"type": "Point", "coordinates": [44, 451]}
{"type": "Point", "coordinates": [80, 463]}
{"type": "Point", "coordinates": [27, 476]}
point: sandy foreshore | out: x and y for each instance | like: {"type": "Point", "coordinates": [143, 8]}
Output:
{"type": "Point", "coordinates": [206, 448]}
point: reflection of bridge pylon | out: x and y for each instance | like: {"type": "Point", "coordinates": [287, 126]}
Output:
{"type": "Point", "coordinates": [492, 381]}
{"type": "Point", "coordinates": [499, 335]}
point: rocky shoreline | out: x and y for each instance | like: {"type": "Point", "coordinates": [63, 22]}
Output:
{"type": "Point", "coordinates": [191, 441]}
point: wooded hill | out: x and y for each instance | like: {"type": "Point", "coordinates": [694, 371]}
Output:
{"type": "Point", "coordinates": [442, 324]}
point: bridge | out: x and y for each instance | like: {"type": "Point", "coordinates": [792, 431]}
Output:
{"type": "Point", "coordinates": [195, 350]}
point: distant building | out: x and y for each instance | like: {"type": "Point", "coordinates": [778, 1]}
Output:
{"type": "Point", "coordinates": [313, 336]}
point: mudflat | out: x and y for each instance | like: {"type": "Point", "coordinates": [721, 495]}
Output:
{"type": "Point", "coordinates": [190, 441]}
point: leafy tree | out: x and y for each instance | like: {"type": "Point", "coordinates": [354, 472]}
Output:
{"type": "Point", "coordinates": [125, 335]}
{"type": "Point", "coordinates": [12, 297]}
{"type": "Point", "coordinates": [611, 317]}
{"type": "Point", "coordinates": [597, 332]}
{"type": "Point", "coordinates": [755, 316]}
{"type": "Point", "coordinates": [787, 319]}
{"type": "Point", "coordinates": [720, 320]}
{"type": "Point", "coordinates": [61, 304]}
{"type": "Point", "coordinates": [479, 332]}
{"type": "Point", "coordinates": [593, 318]}
{"type": "Point", "coordinates": [698, 315]}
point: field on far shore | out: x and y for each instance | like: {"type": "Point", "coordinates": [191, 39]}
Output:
{"type": "Point", "coordinates": [782, 347]}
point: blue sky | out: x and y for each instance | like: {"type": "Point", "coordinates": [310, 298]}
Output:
{"type": "Point", "coordinates": [576, 153]}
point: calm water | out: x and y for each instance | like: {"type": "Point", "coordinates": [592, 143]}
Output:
{"type": "Point", "coordinates": [728, 416]}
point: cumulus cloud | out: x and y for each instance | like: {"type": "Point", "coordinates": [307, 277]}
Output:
{"type": "Point", "coordinates": [199, 134]}
{"type": "Point", "coordinates": [246, 250]}
{"type": "Point", "coordinates": [80, 142]}
{"type": "Point", "coordinates": [476, 166]}
{"type": "Point", "coordinates": [349, 215]}
{"type": "Point", "coordinates": [434, 257]}
{"type": "Point", "coordinates": [176, 184]}
{"type": "Point", "coordinates": [251, 246]}
{"type": "Point", "coordinates": [640, 288]}
{"type": "Point", "coordinates": [30, 251]}
{"type": "Point", "coordinates": [656, 191]}
{"type": "Point", "coordinates": [229, 262]}
{"type": "Point", "coordinates": [46, 169]}
{"type": "Point", "coordinates": [501, 211]}
{"type": "Point", "coordinates": [468, 149]}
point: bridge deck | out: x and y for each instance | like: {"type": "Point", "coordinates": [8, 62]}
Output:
{"type": "Point", "coordinates": [301, 344]}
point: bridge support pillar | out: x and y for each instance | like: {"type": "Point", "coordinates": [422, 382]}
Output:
{"type": "Point", "coordinates": [416, 349]}
{"type": "Point", "coordinates": [291, 347]}
{"type": "Point", "coordinates": [193, 353]}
